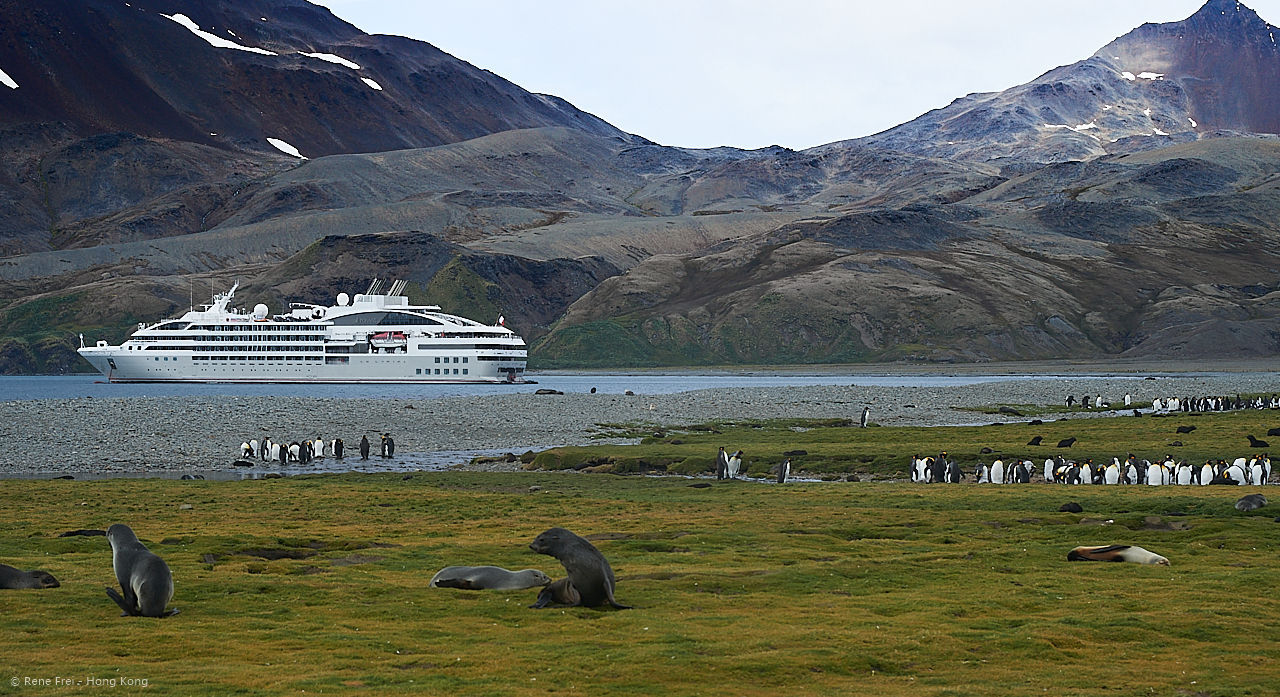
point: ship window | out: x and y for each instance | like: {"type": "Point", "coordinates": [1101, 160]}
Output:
{"type": "Point", "coordinates": [369, 319]}
{"type": "Point", "coordinates": [437, 371]}
{"type": "Point", "coordinates": [455, 371]}
{"type": "Point", "coordinates": [437, 359]}
{"type": "Point", "coordinates": [464, 359]}
{"type": "Point", "coordinates": [419, 371]}
{"type": "Point", "coordinates": [464, 371]}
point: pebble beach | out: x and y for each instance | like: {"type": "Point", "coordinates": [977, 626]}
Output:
{"type": "Point", "coordinates": [49, 437]}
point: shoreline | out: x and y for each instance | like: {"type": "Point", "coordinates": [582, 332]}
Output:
{"type": "Point", "coordinates": [203, 434]}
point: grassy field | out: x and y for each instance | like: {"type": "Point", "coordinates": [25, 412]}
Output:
{"type": "Point", "coordinates": [319, 584]}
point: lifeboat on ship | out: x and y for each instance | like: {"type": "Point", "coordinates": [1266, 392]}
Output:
{"type": "Point", "coordinates": [389, 341]}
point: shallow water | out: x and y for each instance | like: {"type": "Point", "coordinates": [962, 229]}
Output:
{"type": "Point", "coordinates": [79, 386]}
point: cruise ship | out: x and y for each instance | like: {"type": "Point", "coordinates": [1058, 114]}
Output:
{"type": "Point", "coordinates": [371, 338]}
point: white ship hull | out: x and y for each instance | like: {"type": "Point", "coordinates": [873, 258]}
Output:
{"type": "Point", "coordinates": [313, 344]}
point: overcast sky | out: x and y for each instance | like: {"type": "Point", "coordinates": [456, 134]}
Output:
{"type": "Point", "coordinates": [797, 73]}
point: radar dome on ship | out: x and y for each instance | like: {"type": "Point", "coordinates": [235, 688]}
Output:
{"type": "Point", "coordinates": [259, 311]}
{"type": "Point", "coordinates": [343, 299]}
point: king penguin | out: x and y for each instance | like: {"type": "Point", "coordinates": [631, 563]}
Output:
{"type": "Point", "coordinates": [784, 471]}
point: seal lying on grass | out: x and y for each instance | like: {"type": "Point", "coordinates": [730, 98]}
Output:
{"type": "Point", "coordinates": [492, 578]}
{"type": "Point", "coordinates": [1136, 555]}
{"type": "Point", "coordinates": [589, 572]}
{"type": "Point", "coordinates": [14, 579]}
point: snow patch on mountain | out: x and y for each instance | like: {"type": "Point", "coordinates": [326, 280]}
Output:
{"type": "Point", "coordinates": [215, 41]}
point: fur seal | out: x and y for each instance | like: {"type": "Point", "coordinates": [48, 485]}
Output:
{"type": "Point", "coordinates": [82, 533]}
{"type": "Point", "coordinates": [589, 571]}
{"type": "Point", "coordinates": [14, 579]}
{"type": "Point", "coordinates": [560, 592]}
{"type": "Point", "coordinates": [1251, 502]}
{"type": "Point", "coordinates": [480, 578]}
{"type": "Point", "coordinates": [144, 577]}
{"type": "Point", "coordinates": [1135, 555]}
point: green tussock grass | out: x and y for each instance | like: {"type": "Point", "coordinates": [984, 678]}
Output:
{"type": "Point", "coordinates": [319, 584]}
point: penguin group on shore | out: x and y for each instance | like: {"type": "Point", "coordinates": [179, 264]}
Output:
{"type": "Point", "coordinates": [306, 451]}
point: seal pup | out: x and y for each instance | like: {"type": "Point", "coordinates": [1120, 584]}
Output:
{"type": "Point", "coordinates": [559, 592]}
{"type": "Point", "coordinates": [144, 577]}
{"type": "Point", "coordinates": [589, 571]}
{"type": "Point", "coordinates": [493, 578]}
{"type": "Point", "coordinates": [15, 579]}
{"type": "Point", "coordinates": [1251, 502]}
{"type": "Point", "coordinates": [1135, 555]}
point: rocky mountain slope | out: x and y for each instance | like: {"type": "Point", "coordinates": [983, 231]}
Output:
{"type": "Point", "coordinates": [1123, 205]}
{"type": "Point", "coordinates": [1215, 73]}
{"type": "Point", "coordinates": [133, 121]}
{"type": "Point", "coordinates": [1170, 253]}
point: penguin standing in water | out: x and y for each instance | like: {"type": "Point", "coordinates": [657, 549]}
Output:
{"type": "Point", "coordinates": [391, 446]}
{"type": "Point", "coordinates": [722, 464]}
{"type": "Point", "coordinates": [277, 453]}
{"type": "Point", "coordinates": [337, 448]}
{"type": "Point", "coordinates": [382, 449]}
{"type": "Point", "coordinates": [253, 447]}
{"type": "Point", "coordinates": [866, 414]}
{"type": "Point", "coordinates": [266, 449]}
{"type": "Point", "coordinates": [784, 471]}
{"type": "Point", "coordinates": [364, 447]}
{"type": "Point", "coordinates": [246, 451]}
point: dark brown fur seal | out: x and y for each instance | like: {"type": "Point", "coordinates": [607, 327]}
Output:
{"type": "Point", "coordinates": [14, 579]}
{"type": "Point", "coordinates": [559, 592]}
{"type": "Point", "coordinates": [589, 571]}
{"type": "Point", "coordinates": [144, 577]}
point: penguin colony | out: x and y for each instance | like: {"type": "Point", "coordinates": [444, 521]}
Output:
{"type": "Point", "coordinates": [305, 451]}
{"type": "Point", "coordinates": [1242, 471]}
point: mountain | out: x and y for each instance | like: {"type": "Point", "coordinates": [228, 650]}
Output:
{"type": "Point", "coordinates": [237, 72]}
{"type": "Point", "coordinates": [1216, 73]}
{"type": "Point", "coordinates": [133, 123]}
{"type": "Point", "coordinates": [1168, 253]}
{"type": "Point", "coordinates": [1051, 220]}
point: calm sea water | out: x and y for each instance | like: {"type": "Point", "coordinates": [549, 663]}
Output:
{"type": "Point", "coordinates": [72, 386]}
